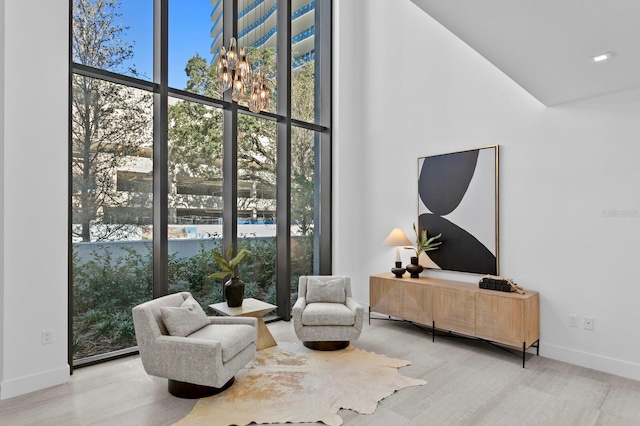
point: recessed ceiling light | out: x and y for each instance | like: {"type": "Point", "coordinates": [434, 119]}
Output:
{"type": "Point", "coordinates": [603, 57]}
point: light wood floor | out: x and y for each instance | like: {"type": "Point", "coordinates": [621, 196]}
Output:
{"type": "Point", "coordinates": [469, 383]}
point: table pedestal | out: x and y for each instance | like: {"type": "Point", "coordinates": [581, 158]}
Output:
{"type": "Point", "coordinates": [251, 308]}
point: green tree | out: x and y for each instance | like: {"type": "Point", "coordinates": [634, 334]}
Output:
{"type": "Point", "coordinates": [111, 125]}
{"type": "Point", "coordinates": [196, 134]}
{"type": "Point", "coordinates": [302, 154]}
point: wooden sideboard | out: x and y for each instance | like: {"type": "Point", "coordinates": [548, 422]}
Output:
{"type": "Point", "coordinates": [510, 319]}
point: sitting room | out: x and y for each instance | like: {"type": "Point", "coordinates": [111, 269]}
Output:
{"type": "Point", "coordinates": [319, 212]}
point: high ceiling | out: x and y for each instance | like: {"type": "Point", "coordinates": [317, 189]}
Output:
{"type": "Point", "coordinates": [546, 46]}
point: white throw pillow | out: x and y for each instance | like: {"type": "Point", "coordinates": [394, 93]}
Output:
{"type": "Point", "coordinates": [332, 291]}
{"type": "Point", "coordinates": [184, 320]}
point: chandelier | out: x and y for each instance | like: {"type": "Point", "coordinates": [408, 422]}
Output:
{"type": "Point", "coordinates": [234, 72]}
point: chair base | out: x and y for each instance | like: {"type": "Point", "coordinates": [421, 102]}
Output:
{"type": "Point", "coordinates": [193, 391]}
{"type": "Point", "coordinates": [327, 345]}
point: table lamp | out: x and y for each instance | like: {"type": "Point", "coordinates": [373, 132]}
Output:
{"type": "Point", "coordinates": [398, 239]}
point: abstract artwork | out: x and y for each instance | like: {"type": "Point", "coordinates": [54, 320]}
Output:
{"type": "Point", "coordinates": [458, 197]}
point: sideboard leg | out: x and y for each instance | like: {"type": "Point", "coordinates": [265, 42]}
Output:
{"type": "Point", "coordinates": [433, 331]}
{"type": "Point", "coordinates": [524, 348]}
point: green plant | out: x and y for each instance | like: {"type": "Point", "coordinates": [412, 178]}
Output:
{"type": "Point", "coordinates": [226, 263]}
{"type": "Point", "coordinates": [423, 242]}
{"type": "Point", "coordinates": [108, 283]}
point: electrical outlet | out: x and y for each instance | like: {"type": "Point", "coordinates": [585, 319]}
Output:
{"type": "Point", "coordinates": [47, 337]}
{"type": "Point", "coordinates": [573, 320]}
{"type": "Point", "coordinates": [588, 323]}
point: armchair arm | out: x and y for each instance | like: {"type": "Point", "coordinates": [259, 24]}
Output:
{"type": "Point", "coordinates": [234, 320]}
{"type": "Point", "coordinates": [173, 357]}
{"type": "Point", "coordinates": [296, 312]}
{"type": "Point", "coordinates": [357, 309]}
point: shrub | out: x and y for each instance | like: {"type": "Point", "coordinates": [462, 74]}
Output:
{"type": "Point", "coordinates": [106, 287]}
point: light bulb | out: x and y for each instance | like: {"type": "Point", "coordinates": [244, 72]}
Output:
{"type": "Point", "coordinates": [238, 88]}
{"type": "Point", "coordinates": [243, 67]}
{"type": "Point", "coordinates": [254, 100]}
{"type": "Point", "coordinates": [221, 68]}
{"type": "Point", "coordinates": [232, 56]}
{"type": "Point", "coordinates": [226, 80]}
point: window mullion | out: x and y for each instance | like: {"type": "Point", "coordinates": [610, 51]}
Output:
{"type": "Point", "coordinates": [160, 148]}
{"type": "Point", "coordinates": [283, 179]}
{"type": "Point", "coordinates": [323, 140]}
{"type": "Point", "coordinates": [230, 142]}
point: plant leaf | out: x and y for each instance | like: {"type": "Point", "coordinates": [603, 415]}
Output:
{"type": "Point", "coordinates": [233, 262]}
{"type": "Point", "coordinates": [219, 260]}
{"type": "Point", "coordinates": [229, 254]}
{"type": "Point", "coordinates": [219, 275]}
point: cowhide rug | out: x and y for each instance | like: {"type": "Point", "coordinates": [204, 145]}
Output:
{"type": "Point", "coordinates": [292, 384]}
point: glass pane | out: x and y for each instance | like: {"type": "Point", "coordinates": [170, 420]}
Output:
{"type": "Point", "coordinates": [195, 34]}
{"type": "Point", "coordinates": [114, 36]}
{"type": "Point", "coordinates": [111, 209]}
{"type": "Point", "coordinates": [303, 60]}
{"type": "Point", "coordinates": [195, 199]}
{"type": "Point", "coordinates": [303, 202]}
{"type": "Point", "coordinates": [257, 32]}
{"type": "Point", "coordinates": [257, 206]}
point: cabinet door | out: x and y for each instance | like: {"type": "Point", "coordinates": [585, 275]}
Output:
{"type": "Point", "coordinates": [500, 319]}
{"type": "Point", "coordinates": [385, 296]}
{"type": "Point", "coordinates": [416, 303]}
{"type": "Point", "coordinates": [454, 310]}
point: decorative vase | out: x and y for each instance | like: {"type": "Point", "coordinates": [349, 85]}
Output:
{"type": "Point", "coordinates": [414, 268]}
{"type": "Point", "coordinates": [398, 270]}
{"type": "Point", "coordinates": [234, 292]}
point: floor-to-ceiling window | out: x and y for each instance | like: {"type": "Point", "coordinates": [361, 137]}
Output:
{"type": "Point", "coordinates": [165, 167]}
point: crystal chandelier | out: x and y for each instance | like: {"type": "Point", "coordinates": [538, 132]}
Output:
{"type": "Point", "coordinates": [234, 72]}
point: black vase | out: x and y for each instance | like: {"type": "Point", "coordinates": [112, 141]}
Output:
{"type": "Point", "coordinates": [413, 268]}
{"type": "Point", "coordinates": [234, 292]}
{"type": "Point", "coordinates": [398, 270]}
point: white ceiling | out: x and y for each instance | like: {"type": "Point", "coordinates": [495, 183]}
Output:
{"type": "Point", "coordinates": [545, 46]}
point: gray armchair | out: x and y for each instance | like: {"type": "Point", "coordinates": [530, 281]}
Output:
{"type": "Point", "coordinates": [198, 354]}
{"type": "Point", "coordinates": [326, 316]}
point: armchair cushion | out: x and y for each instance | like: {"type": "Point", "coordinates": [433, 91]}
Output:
{"type": "Point", "coordinates": [331, 291]}
{"type": "Point", "coordinates": [185, 319]}
{"type": "Point", "coordinates": [233, 338]}
{"type": "Point", "coordinates": [328, 314]}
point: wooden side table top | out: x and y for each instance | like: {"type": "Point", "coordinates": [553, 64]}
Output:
{"type": "Point", "coordinates": [251, 308]}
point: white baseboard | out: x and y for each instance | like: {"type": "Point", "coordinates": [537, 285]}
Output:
{"type": "Point", "coordinates": [615, 366]}
{"type": "Point", "coordinates": [23, 385]}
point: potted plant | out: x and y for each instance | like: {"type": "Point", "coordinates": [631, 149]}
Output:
{"type": "Point", "coordinates": [423, 244]}
{"type": "Point", "coordinates": [234, 288]}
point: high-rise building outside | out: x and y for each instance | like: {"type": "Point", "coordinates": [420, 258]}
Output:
{"type": "Point", "coordinates": [257, 27]}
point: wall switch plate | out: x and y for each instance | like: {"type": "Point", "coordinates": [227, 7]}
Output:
{"type": "Point", "coordinates": [47, 337]}
{"type": "Point", "coordinates": [573, 320]}
{"type": "Point", "coordinates": [588, 323]}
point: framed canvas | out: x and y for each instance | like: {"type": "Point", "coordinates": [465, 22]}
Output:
{"type": "Point", "coordinates": [458, 198]}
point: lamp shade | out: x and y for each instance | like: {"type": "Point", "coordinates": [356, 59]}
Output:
{"type": "Point", "coordinates": [396, 238]}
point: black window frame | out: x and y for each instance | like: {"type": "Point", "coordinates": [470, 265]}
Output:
{"type": "Point", "coordinates": [321, 127]}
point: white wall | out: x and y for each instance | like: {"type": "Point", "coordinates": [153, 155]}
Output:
{"type": "Point", "coordinates": [2, 109]}
{"type": "Point", "coordinates": [34, 194]}
{"type": "Point", "coordinates": [560, 168]}
{"type": "Point", "coordinates": [349, 225]}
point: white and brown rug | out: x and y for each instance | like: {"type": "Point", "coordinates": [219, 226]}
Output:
{"type": "Point", "coordinates": [292, 384]}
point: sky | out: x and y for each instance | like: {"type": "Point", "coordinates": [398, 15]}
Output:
{"type": "Point", "coordinates": [189, 33]}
